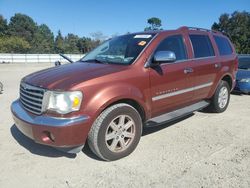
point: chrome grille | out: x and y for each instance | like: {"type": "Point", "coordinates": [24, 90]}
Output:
{"type": "Point", "coordinates": [31, 98]}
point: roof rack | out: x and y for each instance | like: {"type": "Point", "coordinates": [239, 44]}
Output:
{"type": "Point", "coordinates": [198, 29]}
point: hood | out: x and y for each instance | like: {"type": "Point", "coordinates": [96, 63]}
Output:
{"type": "Point", "coordinates": [66, 76]}
{"type": "Point", "coordinates": [242, 73]}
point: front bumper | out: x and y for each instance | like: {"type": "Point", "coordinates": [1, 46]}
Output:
{"type": "Point", "coordinates": [67, 134]}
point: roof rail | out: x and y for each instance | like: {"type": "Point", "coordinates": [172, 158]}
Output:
{"type": "Point", "coordinates": [199, 29]}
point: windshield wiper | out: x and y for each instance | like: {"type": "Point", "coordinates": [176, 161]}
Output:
{"type": "Point", "coordinates": [67, 58]}
{"type": "Point", "coordinates": [95, 60]}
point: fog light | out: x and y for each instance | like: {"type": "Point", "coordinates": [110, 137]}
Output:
{"type": "Point", "coordinates": [48, 136]}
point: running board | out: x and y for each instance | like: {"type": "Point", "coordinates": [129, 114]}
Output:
{"type": "Point", "coordinates": [171, 116]}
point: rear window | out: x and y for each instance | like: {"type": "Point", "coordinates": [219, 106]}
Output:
{"type": "Point", "coordinates": [202, 46]}
{"type": "Point", "coordinates": [223, 45]}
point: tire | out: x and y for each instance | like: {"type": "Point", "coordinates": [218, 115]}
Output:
{"type": "Point", "coordinates": [221, 98]}
{"type": "Point", "coordinates": [116, 132]}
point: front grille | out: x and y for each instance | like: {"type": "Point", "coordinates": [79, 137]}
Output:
{"type": "Point", "coordinates": [31, 98]}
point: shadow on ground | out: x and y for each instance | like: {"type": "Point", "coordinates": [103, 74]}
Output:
{"type": "Point", "coordinates": [86, 150]}
{"type": "Point", "coordinates": [35, 148]}
{"type": "Point", "coordinates": [237, 93]}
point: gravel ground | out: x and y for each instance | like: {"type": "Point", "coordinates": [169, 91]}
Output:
{"type": "Point", "coordinates": [202, 150]}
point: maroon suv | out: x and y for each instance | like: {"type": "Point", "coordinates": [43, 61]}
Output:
{"type": "Point", "coordinates": [127, 83]}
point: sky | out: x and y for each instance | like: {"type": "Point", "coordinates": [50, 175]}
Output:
{"type": "Point", "coordinates": [83, 17]}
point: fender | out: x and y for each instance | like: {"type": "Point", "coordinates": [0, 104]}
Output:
{"type": "Point", "coordinates": [106, 96]}
{"type": "Point", "coordinates": [224, 72]}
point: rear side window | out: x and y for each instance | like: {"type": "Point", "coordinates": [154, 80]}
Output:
{"type": "Point", "coordinates": [202, 46]}
{"type": "Point", "coordinates": [223, 45]}
{"type": "Point", "coordinates": [174, 44]}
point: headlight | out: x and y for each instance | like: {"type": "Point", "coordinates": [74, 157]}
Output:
{"type": "Point", "coordinates": [245, 80]}
{"type": "Point", "coordinates": [64, 102]}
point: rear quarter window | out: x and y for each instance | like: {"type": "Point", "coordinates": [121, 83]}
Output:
{"type": "Point", "coordinates": [202, 46]}
{"type": "Point", "coordinates": [223, 45]}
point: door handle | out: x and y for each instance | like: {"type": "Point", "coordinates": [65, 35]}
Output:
{"type": "Point", "coordinates": [188, 70]}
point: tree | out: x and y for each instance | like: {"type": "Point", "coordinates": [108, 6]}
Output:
{"type": "Point", "coordinates": [3, 26]}
{"type": "Point", "coordinates": [23, 35]}
{"type": "Point", "coordinates": [59, 43]}
{"type": "Point", "coordinates": [71, 42]}
{"type": "Point", "coordinates": [155, 24]}
{"type": "Point", "coordinates": [22, 26]}
{"type": "Point", "coordinates": [237, 27]}
{"type": "Point", "coordinates": [43, 40]}
{"type": "Point", "coordinates": [13, 45]}
{"type": "Point", "coordinates": [85, 45]}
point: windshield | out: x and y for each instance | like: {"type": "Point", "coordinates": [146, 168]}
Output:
{"type": "Point", "coordinates": [244, 62]}
{"type": "Point", "coordinates": [119, 50]}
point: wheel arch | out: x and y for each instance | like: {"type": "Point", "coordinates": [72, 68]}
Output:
{"type": "Point", "coordinates": [225, 77]}
{"type": "Point", "coordinates": [133, 103]}
{"type": "Point", "coordinates": [229, 80]}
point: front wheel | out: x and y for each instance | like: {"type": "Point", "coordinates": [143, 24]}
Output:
{"type": "Point", "coordinates": [116, 132]}
{"type": "Point", "coordinates": [221, 98]}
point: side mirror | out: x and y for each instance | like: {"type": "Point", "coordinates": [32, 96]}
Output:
{"type": "Point", "coordinates": [164, 57]}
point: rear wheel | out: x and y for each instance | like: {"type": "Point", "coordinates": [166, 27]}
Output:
{"type": "Point", "coordinates": [221, 98]}
{"type": "Point", "coordinates": [116, 132]}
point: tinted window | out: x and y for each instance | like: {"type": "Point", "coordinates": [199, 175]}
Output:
{"type": "Point", "coordinates": [174, 44]}
{"type": "Point", "coordinates": [202, 46]}
{"type": "Point", "coordinates": [244, 62]}
{"type": "Point", "coordinates": [223, 45]}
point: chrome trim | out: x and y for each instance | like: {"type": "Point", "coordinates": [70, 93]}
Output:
{"type": "Point", "coordinates": [32, 98]}
{"type": "Point", "coordinates": [201, 58]}
{"type": "Point", "coordinates": [27, 86]}
{"type": "Point", "coordinates": [24, 103]}
{"type": "Point", "coordinates": [19, 112]}
{"type": "Point", "coordinates": [164, 56]}
{"type": "Point", "coordinates": [33, 93]}
{"type": "Point", "coordinates": [186, 60]}
{"type": "Point", "coordinates": [159, 97]}
{"type": "Point", "coordinates": [176, 62]}
{"type": "Point", "coordinates": [27, 101]}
